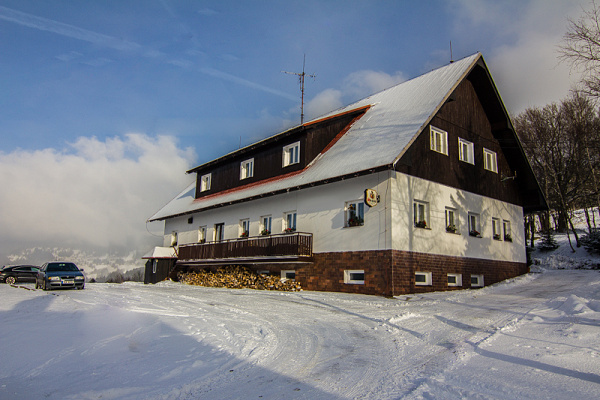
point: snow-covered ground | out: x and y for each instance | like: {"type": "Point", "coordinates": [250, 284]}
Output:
{"type": "Point", "coordinates": [533, 337]}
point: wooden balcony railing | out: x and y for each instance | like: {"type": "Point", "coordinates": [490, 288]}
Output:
{"type": "Point", "coordinates": [269, 248]}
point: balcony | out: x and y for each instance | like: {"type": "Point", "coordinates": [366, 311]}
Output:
{"type": "Point", "coordinates": [286, 247]}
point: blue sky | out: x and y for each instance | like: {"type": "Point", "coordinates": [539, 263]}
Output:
{"type": "Point", "coordinates": [145, 89]}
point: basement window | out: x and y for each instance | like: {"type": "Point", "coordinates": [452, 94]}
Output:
{"type": "Point", "coordinates": [288, 274]}
{"type": "Point", "coordinates": [423, 278]}
{"type": "Point", "coordinates": [291, 154]}
{"type": "Point", "coordinates": [476, 280]}
{"type": "Point", "coordinates": [438, 140]}
{"type": "Point", "coordinates": [354, 277]}
{"type": "Point", "coordinates": [205, 182]}
{"type": "Point", "coordinates": [454, 279]}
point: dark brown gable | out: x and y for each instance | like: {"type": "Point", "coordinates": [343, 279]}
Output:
{"type": "Point", "coordinates": [314, 138]}
{"type": "Point", "coordinates": [463, 116]}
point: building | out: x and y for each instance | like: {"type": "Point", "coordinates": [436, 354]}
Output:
{"type": "Point", "coordinates": [417, 188]}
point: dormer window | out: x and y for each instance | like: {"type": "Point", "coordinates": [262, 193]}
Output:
{"type": "Point", "coordinates": [205, 182]}
{"type": "Point", "coordinates": [291, 154]}
{"type": "Point", "coordinates": [247, 169]}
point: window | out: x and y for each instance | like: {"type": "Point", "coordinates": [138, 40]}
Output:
{"type": "Point", "coordinates": [354, 277]}
{"type": "Point", "coordinates": [355, 213]}
{"type": "Point", "coordinates": [506, 228]}
{"type": "Point", "coordinates": [205, 182]}
{"type": "Point", "coordinates": [423, 278]}
{"type": "Point", "coordinates": [265, 225]}
{"type": "Point", "coordinates": [173, 239]}
{"type": "Point", "coordinates": [244, 227]}
{"type": "Point", "coordinates": [438, 140]}
{"type": "Point", "coordinates": [289, 221]}
{"type": "Point", "coordinates": [288, 274]}
{"type": "Point", "coordinates": [154, 265]}
{"type": "Point", "coordinates": [202, 234]}
{"type": "Point", "coordinates": [421, 214]}
{"type": "Point", "coordinates": [474, 227]}
{"type": "Point", "coordinates": [476, 280]}
{"type": "Point", "coordinates": [219, 232]}
{"type": "Point", "coordinates": [465, 151]}
{"type": "Point", "coordinates": [454, 279]}
{"type": "Point", "coordinates": [496, 229]}
{"type": "Point", "coordinates": [247, 169]}
{"type": "Point", "coordinates": [490, 160]}
{"type": "Point", "coordinates": [190, 220]}
{"type": "Point", "coordinates": [291, 154]}
{"type": "Point", "coordinates": [451, 220]}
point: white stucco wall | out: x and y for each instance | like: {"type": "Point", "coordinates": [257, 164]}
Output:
{"type": "Point", "coordinates": [320, 211]}
{"type": "Point", "coordinates": [405, 189]}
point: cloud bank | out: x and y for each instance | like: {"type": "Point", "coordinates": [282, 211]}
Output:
{"type": "Point", "coordinates": [96, 194]}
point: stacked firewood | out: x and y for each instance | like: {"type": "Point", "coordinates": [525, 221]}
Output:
{"type": "Point", "coordinates": [238, 277]}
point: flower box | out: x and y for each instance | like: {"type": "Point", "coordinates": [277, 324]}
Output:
{"type": "Point", "coordinates": [421, 224]}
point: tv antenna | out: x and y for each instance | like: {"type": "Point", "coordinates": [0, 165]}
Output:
{"type": "Point", "coordinates": [301, 76]}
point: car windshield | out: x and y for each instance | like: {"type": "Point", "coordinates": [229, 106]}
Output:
{"type": "Point", "coordinates": [53, 267]}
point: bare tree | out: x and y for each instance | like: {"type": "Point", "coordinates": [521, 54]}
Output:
{"type": "Point", "coordinates": [581, 48]}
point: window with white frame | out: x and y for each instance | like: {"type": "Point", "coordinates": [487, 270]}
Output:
{"type": "Point", "coordinates": [265, 225]}
{"type": "Point", "coordinates": [476, 280]}
{"type": "Point", "coordinates": [438, 140]}
{"type": "Point", "coordinates": [247, 169]}
{"type": "Point", "coordinates": [291, 154]}
{"type": "Point", "coordinates": [244, 227]}
{"type": "Point", "coordinates": [474, 225]}
{"type": "Point", "coordinates": [496, 229]}
{"type": "Point", "coordinates": [451, 220]}
{"type": "Point", "coordinates": [288, 274]}
{"type": "Point", "coordinates": [421, 214]}
{"type": "Point", "coordinates": [506, 229]}
{"type": "Point", "coordinates": [465, 151]}
{"type": "Point", "coordinates": [422, 278]}
{"type": "Point", "coordinates": [355, 277]}
{"type": "Point", "coordinates": [205, 182]}
{"type": "Point", "coordinates": [202, 234]}
{"type": "Point", "coordinates": [289, 221]}
{"type": "Point", "coordinates": [490, 160]}
{"type": "Point", "coordinates": [454, 279]}
{"type": "Point", "coordinates": [355, 213]}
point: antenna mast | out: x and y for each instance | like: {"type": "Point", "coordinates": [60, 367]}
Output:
{"type": "Point", "coordinates": [301, 76]}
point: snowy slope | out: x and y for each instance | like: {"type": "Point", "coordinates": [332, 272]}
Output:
{"type": "Point", "coordinates": [535, 337]}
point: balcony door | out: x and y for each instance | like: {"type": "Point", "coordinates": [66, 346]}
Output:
{"type": "Point", "coordinates": [219, 232]}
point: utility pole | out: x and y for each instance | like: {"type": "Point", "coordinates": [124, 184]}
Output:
{"type": "Point", "coordinates": [301, 76]}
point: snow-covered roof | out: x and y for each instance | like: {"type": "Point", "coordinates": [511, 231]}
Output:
{"type": "Point", "coordinates": [394, 119]}
{"type": "Point", "coordinates": [161, 252]}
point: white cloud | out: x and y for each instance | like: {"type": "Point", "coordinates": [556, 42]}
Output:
{"type": "Point", "coordinates": [92, 194]}
{"type": "Point", "coordinates": [525, 66]}
{"type": "Point", "coordinates": [364, 83]}
{"type": "Point", "coordinates": [327, 100]}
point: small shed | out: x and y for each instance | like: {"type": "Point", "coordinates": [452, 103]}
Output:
{"type": "Point", "coordinates": [161, 261]}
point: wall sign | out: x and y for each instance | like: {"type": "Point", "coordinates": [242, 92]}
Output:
{"type": "Point", "coordinates": [371, 197]}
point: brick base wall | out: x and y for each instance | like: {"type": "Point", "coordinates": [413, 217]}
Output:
{"type": "Point", "coordinates": [392, 272]}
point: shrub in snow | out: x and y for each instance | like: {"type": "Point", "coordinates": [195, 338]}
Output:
{"type": "Point", "coordinates": [548, 242]}
{"type": "Point", "coordinates": [591, 242]}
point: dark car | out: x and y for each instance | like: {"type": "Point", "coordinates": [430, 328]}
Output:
{"type": "Point", "coordinates": [58, 274]}
{"type": "Point", "coordinates": [12, 274]}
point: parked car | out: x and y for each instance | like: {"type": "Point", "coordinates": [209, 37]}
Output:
{"type": "Point", "coordinates": [58, 274]}
{"type": "Point", "coordinates": [12, 274]}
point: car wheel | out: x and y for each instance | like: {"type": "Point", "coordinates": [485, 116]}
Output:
{"type": "Point", "coordinates": [44, 287]}
{"type": "Point", "coordinates": [11, 280]}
